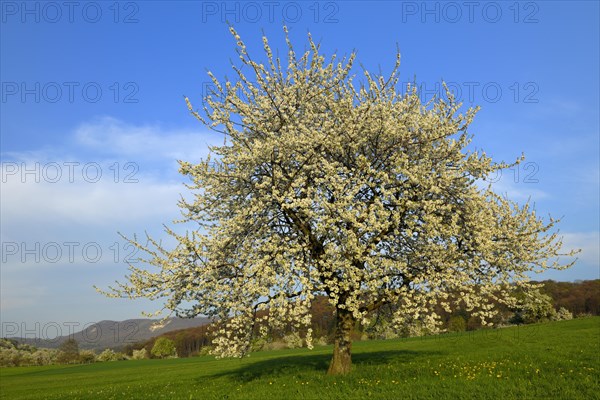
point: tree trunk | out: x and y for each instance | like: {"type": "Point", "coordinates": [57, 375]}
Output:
{"type": "Point", "coordinates": [341, 362]}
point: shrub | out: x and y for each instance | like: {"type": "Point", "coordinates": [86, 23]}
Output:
{"type": "Point", "coordinates": [9, 357]}
{"type": "Point", "coordinates": [388, 333]}
{"type": "Point", "coordinates": [44, 356]}
{"type": "Point", "coordinates": [259, 343]}
{"type": "Point", "coordinates": [563, 314]}
{"type": "Point", "coordinates": [68, 352]}
{"type": "Point", "coordinates": [163, 347]}
{"type": "Point", "coordinates": [414, 330]}
{"type": "Point", "coordinates": [293, 340]}
{"type": "Point", "coordinates": [87, 356]}
{"type": "Point", "coordinates": [205, 350]}
{"type": "Point", "coordinates": [111, 355]}
{"type": "Point", "coordinates": [7, 343]}
{"type": "Point", "coordinates": [534, 307]}
{"type": "Point", "coordinates": [139, 354]}
{"type": "Point", "coordinates": [275, 345]}
{"type": "Point", "coordinates": [457, 324]}
{"type": "Point", "coordinates": [26, 359]}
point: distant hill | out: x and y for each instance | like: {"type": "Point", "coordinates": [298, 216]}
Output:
{"type": "Point", "coordinates": [580, 298]}
{"type": "Point", "coordinates": [190, 335]}
{"type": "Point", "coordinates": [118, 334]}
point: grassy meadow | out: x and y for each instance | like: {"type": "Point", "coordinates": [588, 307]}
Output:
{"type": "Point", "coordinates": [556, 360]}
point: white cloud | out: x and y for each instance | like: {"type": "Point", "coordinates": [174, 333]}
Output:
{"type": "Point", "coordinates": [519, 192]}
{"type": "Point", "coordinates": [504, 184]}
{"type": "Point", "coordinates": [50, 188]}
{"type": "Point", "coordinates": [42, 206]}
{"type": "Point", "coordinates": [93, 204]}
{"type": "Point", "coordinates": [589, 243]}
{"type": "Point", "coordinates": [109, 135]}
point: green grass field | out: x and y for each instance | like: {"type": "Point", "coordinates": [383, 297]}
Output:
{"type": "Point", "coordinates": [557, 360]}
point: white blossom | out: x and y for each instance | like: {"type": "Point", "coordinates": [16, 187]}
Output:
{"type": "Point", "coordinates": [324, 186]}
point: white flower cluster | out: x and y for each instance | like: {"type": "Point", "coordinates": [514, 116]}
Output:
{"type": "Point", "coordinates": [355, 191]}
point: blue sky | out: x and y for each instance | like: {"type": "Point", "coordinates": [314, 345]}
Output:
{"type": "Point", "coordinates": [93, 119]}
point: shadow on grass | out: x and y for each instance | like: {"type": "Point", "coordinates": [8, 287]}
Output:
{"type": "Point", "coordinates": [298, 364]}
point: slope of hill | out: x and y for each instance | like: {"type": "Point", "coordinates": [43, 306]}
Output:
{"type": "Point", "coordinates": [579, 298]}
{"type": "Point", "coordinates": [117, 334]}
{"type": "Point", "coordinates": [556, 360]}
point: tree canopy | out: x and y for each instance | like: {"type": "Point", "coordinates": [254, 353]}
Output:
{"type": "Point", "coordinates": [68, 351]}
{"type": "Point", "coordinates": [358, 191]}
{"type": "Point", "coordinates": [163, 347]}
